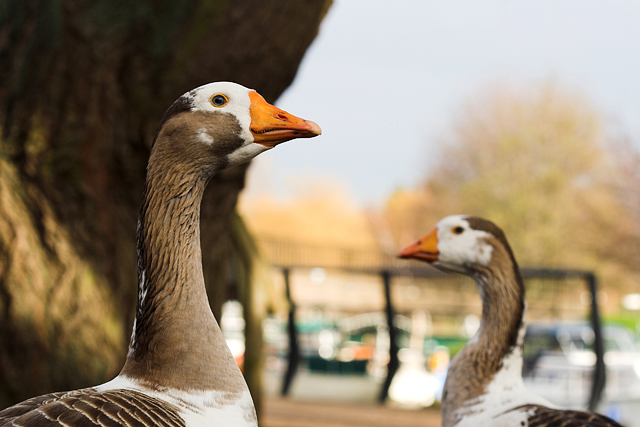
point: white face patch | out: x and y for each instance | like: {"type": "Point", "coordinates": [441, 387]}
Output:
{"type": "Point", "coordinates": [204, 137]}
{"type": "Point", "coordinates": [245, 153]}
{"type": "Point", "coordinates": [459, 244]}
{"type": "Point", "coordinates": [239, 104]}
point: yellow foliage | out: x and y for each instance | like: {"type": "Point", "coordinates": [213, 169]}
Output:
{"type": "Point", "coordinates": [536, 163]}
{"type": "Point", "coordinates": [321, 214]}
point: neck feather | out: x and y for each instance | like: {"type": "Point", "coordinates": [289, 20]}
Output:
{"type": "Point", "coordinates": [503, 309]}
{"type": "Point", "coordinates": [500, 336]}
{"type": "Point", "coordinates": [176, 341]}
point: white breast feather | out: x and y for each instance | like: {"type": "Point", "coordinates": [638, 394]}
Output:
{"type": "Point", "coordinates": [197, 408]}
{"type": "Point", "coordinates": [505, 392]}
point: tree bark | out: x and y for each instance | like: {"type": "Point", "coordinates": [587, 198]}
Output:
{"type": "Point", "coordinates": [84, 85]}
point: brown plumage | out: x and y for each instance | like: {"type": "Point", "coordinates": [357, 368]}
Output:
{"type": "Point", "coordinates": [179, 371]}
{"type": "Point", "coordinates": [89, 408]}
{"type": "Point", "coordinates": [541, 416]}
{"type": "Point", "coordinates": [484, 382]}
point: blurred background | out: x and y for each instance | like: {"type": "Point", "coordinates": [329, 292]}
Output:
{"type": "Point", "coordinates": [527, 114]}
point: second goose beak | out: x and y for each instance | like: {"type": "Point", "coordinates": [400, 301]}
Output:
{"type": "Point", "coordinates": [425, 249]}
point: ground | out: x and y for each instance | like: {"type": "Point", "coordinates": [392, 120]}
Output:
{"type": "Point", "coordinates": [280, 412]}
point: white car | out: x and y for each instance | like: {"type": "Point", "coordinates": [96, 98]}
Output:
{"type": "Point", "coordinates": [559, 364]}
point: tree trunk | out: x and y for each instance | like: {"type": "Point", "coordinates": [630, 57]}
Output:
{"type": "Point", "coordinates": [84, 85]}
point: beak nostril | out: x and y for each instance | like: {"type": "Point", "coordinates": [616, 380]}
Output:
{"type": "Point", "coordinates": [283, 117]}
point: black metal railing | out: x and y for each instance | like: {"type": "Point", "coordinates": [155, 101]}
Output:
{"type": "Point", "coordinates": [289, 255]}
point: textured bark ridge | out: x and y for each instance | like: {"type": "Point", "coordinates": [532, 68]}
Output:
{"type": "Point", "coordinates": [56, 312]}
{"type": "Point", "coordinates": [84, 87]}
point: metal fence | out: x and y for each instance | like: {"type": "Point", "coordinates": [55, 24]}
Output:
{"type": "Point", "coordinates": [545, 288]}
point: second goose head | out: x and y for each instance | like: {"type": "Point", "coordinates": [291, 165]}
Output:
{"type": "Point", "coordinates": [463, 244]}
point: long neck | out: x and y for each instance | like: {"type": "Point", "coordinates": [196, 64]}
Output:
{"type": "Point", "coordinates": [176, 341]}
{"type": "Point", "coordinates": [496, 346]}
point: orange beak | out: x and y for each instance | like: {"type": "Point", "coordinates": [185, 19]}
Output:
{"type": "Point", "coordinates": [425, 249]}
{"type": "Point", "coordinates": [270, 125]}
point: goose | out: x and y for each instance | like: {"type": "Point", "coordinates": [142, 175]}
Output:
{"type": "Point", "coordinates": [484, 384]}
{"type": "Point", "coordinates": [178, 371]}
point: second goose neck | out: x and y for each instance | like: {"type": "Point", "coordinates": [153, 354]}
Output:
{"type": "Point", "coordinates": [500, 336]}
{"type": "Point", "coordinates": [503, 309]}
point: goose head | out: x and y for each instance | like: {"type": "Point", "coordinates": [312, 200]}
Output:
{"type": "Point", "coordinates": [224, 124]}
{"type": "Point", "coordinates": [462, 244]}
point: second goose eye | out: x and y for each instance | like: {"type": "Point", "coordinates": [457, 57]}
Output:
{"type": "Point", "coordinates": [219, 100]}
{"type": "Point", "coordinates": [458, 230]}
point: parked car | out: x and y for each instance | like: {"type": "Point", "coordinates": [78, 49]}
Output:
{"type": "Point", "coordinates": [559, 360]}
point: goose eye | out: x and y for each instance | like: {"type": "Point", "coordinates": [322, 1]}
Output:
{"type": "Point", "coordinates": [458, 230]}
{"type": "Point", "coordinates": [219, 100]}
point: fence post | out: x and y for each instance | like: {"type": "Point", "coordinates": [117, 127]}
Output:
{"type": "Point", "coordinates": [294, 353]}
{"type": "Point", "coordinates": [394, 362]}
{"type": "Point", "coordinates": [599, 374]}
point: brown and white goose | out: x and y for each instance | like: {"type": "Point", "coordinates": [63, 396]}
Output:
{"type": "Point", "coordinates": [484, 384]}
{"type": "Point", "coordinates": [179, 370]}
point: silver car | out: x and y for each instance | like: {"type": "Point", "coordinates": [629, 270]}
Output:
{"type": "Point", "coordinates": [559, 361]}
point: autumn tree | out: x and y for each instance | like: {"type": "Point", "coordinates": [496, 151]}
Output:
{"type": "Point", "coordinates": [538, 162]}
{"type": "Point", "coordinates": [319, 214]}
{"type": "Point", "coordinates": [84, 84]}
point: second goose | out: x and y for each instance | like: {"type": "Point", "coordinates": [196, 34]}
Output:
{"type": "Point", "coordinates": [484, 385]}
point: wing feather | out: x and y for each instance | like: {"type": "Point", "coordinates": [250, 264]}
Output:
{"type": "Point", "coordinates": [542, 416]}
{"type": "Point", "coordinates": [91, 408]}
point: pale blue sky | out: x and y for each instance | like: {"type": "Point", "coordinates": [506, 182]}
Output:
{"type": "Point", "coordinates": [385, 79]}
